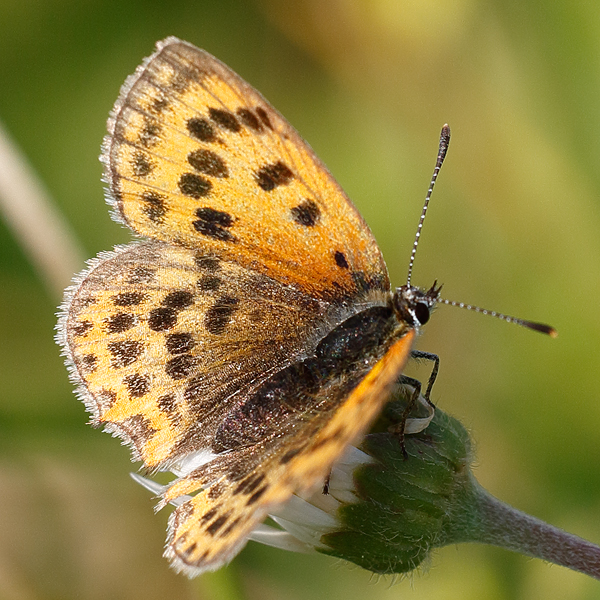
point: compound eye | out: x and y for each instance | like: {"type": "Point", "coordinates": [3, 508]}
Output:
{"type": "Point", "coordinates": [422, 312]}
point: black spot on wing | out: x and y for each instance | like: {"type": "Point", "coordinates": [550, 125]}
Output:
{"type": "Point", "coordinates": [168, 405]}
{"type": "Point", "coordinates": [224, 119]}
{"type": "Point", "coordinates": [180, 82]}
{"type": "Point", "coordinates": [154, 206]}
{"type": "Point", "coordinates": [138, 385]}
{"type": "Point", "coordinates": [230, 527]}
{"type": "Point", "coordinates": [162, 318]}
{"type": "Point", "coordinates": [185, 511]}
{"type": "Point", "coordinates": [289, 455]}
{"type": "Point", "coordinates": [340, 260]}
{"type": "Point", "coordinates": [141, 275]}
{"type": "Point", "coordinates": [307, 213]}
{"type": "Point", "coordinates": [124, 353]}
{"type": "Point", "coordinates": [86, 300]}
{"type": "Point", "coordinates": [186, 553]}
{"type": "Point", "coordinates": [209, 283]}
{"type": "Point", "coordinates": [249, 484]}
{"type": "Point", "coordinates": [201, 129]}
{"type": "Point", "coordinates": [138, 428]}
{"type": "Point", "coordinates": [179, 343]}
{"type": "Point", "coordinates": [128, 298]}
{"type": "Point", "coordinates": [218, 523]}
{"type": "Point", "coordinates": [207, 516]}
{"type": "Point", "coordinates": [208, 163]}
{"type": "Point", "coordinates": [82, 328]}
{"type": "Point", "coordinates": [249, 119]}
{"type": "Point", "coordinates": [181, 366]}
{"type": "Point", "coordinates": [271, 176]}
{"type": "Point", "coordinates": [219, 314]}
{"type": "Point", "coordinates": [255, 497]}
{"type": "Point", "coordinates": [263, 116]}
{"type": "Point", "coordinates": [89, 362]}
{"type": "Point", "coordinates": [119, 322]}
{"type": "Point", "coordinates": [194, 186]}
{"type": "Point", "coordinates": [216, 217]}
{"type": "Point", "coordinates": [178, 299]}
{"type": "Point", "coordinates": [105, 399]}
{"type": "Point", "coordinates": [159, 104]}
{"type": "Point", "coordinates": [214, 223]}
{"type": "Point", "coordinates": [149, 133]}
{"type": "Point", "coordinates": [216, 490]}
{"type": "Point", "coordinates": [210, 263]}
{"type": "Point", "coordinates": [141, 165]}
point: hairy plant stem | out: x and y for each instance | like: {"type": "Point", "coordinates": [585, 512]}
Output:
{"type": "Point", "coordinates": [485, 519]}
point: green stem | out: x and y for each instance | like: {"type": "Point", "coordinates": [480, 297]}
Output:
{"type": "Point", "coordinates": [485, 519]}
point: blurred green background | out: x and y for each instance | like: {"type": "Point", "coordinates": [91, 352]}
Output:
{"type": "Point", "coordinates": [514, 226]}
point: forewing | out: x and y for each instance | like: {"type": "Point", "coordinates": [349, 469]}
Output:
{"type": "Point", "coordinates": [196, 156]}
{"type": "Point", "coordinates": [163, 339]}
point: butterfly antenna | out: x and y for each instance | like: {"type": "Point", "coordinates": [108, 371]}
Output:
{"type": "Point", "coordinates": [547, 329]}
{"type": "Point", "coordinates": [443, 148]}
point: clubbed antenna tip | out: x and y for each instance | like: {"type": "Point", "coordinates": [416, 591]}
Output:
{"type": "Point", "coordinates": [444, 142]}
{"type": "Point", "coordinates": [547, 329]}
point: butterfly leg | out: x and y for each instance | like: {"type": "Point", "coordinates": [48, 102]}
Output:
{"type": "Point", "coordinates": [435, 359]}
{"type": "Point", "coordinates": [400, 428]}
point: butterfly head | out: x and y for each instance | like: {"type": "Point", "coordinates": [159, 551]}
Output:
{"type": "Point", "coordinates": [413, 305]}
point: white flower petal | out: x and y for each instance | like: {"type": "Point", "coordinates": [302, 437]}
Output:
{"type": "Point", "coordinates": [276, 538]}
{"type": "Point", "coordinates": [352, 458]}
{"type": "Point", "coordinates": [341, 484]}
{"type": "Point", "coordinates": [157, 489]}
{"type": "Point", "coordinates": [192, 461]}
{"type": "Point", "coordinates": [150, 485]}
{"type": "Point", "coordinates": [306, 521]}
{"type": "Point", "coordinates": [417, 425]}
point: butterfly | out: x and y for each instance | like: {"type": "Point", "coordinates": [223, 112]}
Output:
{"type": "Point", "coordinates": [252, 333]}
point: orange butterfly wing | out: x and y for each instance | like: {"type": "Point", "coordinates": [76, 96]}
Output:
{"type": "Point", "coordinates": [163, 341]}
{"type": "Point", "coordinates": [197, 157]}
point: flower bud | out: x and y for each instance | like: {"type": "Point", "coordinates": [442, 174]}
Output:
{"type": "Point", "coordinates": [408, 504]}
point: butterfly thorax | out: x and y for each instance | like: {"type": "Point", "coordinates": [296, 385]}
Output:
{"type": "Point", "coordinates": [413, 305]}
